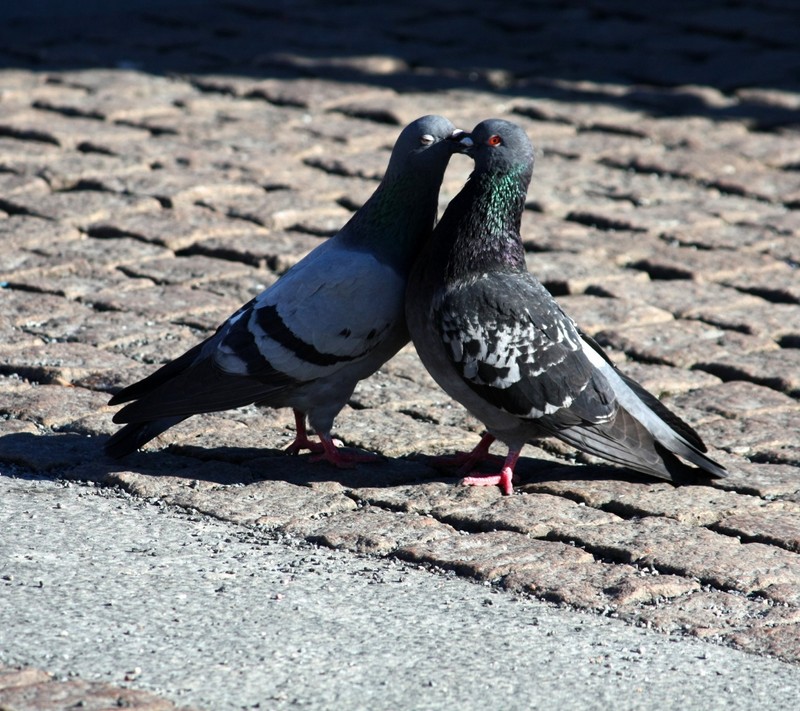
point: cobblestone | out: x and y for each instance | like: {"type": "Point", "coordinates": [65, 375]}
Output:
{"type": "Point", "coordinates": [24, 689]}
{"type": "Point", "coordinates": [150, 186]}
{"type": "Point", "coordinates": [689, 344]}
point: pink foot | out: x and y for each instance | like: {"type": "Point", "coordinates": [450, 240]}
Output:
{"type": "Point", "coordinates": [301, 440]}
{"type": "Point", "coordinates": [466, 461]}
{"type": "Point", "coordinates": [505, 479]}
{"type": "Point", "coordinates": [301, 443]}
{"type": "Point", "coordinates": [343, 460]}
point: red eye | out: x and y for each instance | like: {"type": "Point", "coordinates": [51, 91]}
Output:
{"type": "Point", "coordinates": [494, 140]}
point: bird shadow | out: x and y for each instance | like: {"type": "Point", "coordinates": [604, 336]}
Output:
{"type": "Point", "coordinates": [72, 456]}
{"type": "Point", "coordinates": [66, 455]}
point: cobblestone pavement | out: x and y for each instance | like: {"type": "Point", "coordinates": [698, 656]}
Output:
{"type": "Point", "coordinates": [158, 169]}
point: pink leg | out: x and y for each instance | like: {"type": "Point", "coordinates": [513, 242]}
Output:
{"type": "Point", "coordinates": [466, 461]}
{"type": "Point", "coordinates": [504, 479]}
{"type": "Point", "coordinates": [343, 460]}
{"type": "Point", "coordinates": [301, 440]}
{"type": "Point", "coordinates": [327, 449]}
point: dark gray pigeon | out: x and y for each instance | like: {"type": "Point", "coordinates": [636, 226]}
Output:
{"type": "Point", "coordinates": [333, 319]}
{"type": "Point", "coordinates": [495, 340]}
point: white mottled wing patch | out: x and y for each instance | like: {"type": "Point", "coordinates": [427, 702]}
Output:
{"type": "Point", "coordinates": [514, 346]}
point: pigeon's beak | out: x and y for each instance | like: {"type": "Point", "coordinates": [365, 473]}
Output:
{"type": "Point", "coordinates": [463, 140]}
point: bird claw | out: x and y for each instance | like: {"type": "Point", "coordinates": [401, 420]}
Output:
{"type": "Point", "coordinates": [470, 462]}
{"type": "Point", "coordinates": [327, 449]}
{"type": "Point", "coordinates": [302, 443]}
{"type": "Point", "coordinates": [299, 445]}
{"type": "Point", "coordinates": [504, 480]}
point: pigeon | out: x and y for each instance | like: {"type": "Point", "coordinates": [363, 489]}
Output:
{"type": "Point", "coordinates": [496, 341]}
{"type": "Point", "coordinates": [330, 321]}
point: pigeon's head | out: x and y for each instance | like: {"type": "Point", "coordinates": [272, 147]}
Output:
{"type": "Point", "coordinates": [500, 146]}
{"type": "Point", "coordinates": [425, 145]}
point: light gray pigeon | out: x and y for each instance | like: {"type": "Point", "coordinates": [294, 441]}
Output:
{"type": "Point", "coordinates": [331, 320]}
{"type": "Point", "coordinates": [495, 340]}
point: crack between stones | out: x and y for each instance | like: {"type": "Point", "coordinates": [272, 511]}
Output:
{"type": "Point", "coordinates": [13, 208]}
{"type": "Point", "coordinates": [718, 527]}
{"type": "Point", "coordinates": [728, 373]}
{"type": "Point", "coordinates": [419, 416]}
{"type": "Point", "coordinates": [600, 555]}
{"type": "Point", "coordinates": [68, 111]}
{"type": "Point", "coordinates": [269, 262]}
{"type": "Point", "coordinates": [600, 222]}
{"type": "Point", "coordinates": [774, 296]}
{"type": "Point", "coordinates": [28, 135]}
{"type": "Point", "coordinates": [719, 185]}
{"type": "Point", "coordinates": [603, 555]}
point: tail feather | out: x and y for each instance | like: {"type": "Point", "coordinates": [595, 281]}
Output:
{"type": "Point", "coordinates": [135, 435]}
{"type": "Point", "coordinates": [609, 368]}
{"type": "Point", "coordinates": [627, 442]}
{"type": "Point", "coordinates": [200, 388]}
{"type": "Point", "coordinates": [681, 427]}
{"type": "Point", "coordinates": [163, 375]}
{"type": "Point", "coordinates": [645, 434]}
{"type": "Point", "coordinates": [189, 385]}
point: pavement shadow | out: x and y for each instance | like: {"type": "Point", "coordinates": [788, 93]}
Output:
{"type": "Point", "coordinates": [72, 456]}
{"type": "Point", "coordinates": [677, 58]}
{"type": "Point", "coordinates": [66, 455]}
{"type": "Point", "coordinates": [60, 456]}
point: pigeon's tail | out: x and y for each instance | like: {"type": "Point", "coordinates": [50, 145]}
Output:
{"type": "Point", "coordinates": [136, 434]}
{"type": "Point", "coordinates": [627, 442]}
{"type": "Point", "coordinates": [180, 389]}
{"type": "Point", "coordinates": [139, 432]}
{"type": "Point", "coordinates": [645, 434]}
{"type": "Point", "coordinates": [155, 380]}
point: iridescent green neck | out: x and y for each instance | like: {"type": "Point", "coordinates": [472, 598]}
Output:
{"type": "Point", "coordinates": [479, 231]}
{"type": "Point", "coordinates": [501, 199]}
{"type": "Point", "coordinates": [396, 220]}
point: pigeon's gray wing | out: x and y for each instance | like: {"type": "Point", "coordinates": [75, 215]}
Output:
{"type": "Point", "coordinates": [330, 311]}
{"type": "Point", "coordinates": [512, 345]}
